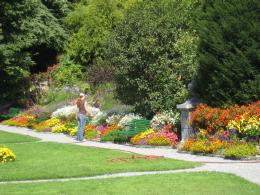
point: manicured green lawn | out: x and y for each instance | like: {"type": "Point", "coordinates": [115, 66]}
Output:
{"type": "Point", "coordinates": [42, 160]}
{"type": "Point", "coordinates": [203, 183]}
{"type": "Point", "coordinates": [6, 137]}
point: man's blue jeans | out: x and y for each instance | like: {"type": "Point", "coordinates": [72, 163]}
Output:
{"type": "Point", "coordinates": [82, 119]}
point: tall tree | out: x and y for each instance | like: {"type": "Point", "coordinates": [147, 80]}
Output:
{"type": "Point", "coordinates": [92, 23]}
{"type": "Point", "coordinates": [229, 52]}
{"type": "Point", "coordinates": [154, 54]}
{"type": "Point", "coordinates": [25, 26]}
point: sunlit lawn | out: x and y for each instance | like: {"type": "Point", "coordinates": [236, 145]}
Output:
{"type": "Point", "coordinates": [42, 160]}
{"type": "Point", "coordinates": [203, 183]}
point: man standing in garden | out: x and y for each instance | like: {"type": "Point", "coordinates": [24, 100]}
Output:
{"type": "Point", "coordinates": [82, 116]}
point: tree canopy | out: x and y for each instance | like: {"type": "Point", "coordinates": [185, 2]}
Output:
{"type": "Point", "coordinates": [229, 52]}
{"type": "Point", "coordinates": [25, 26]}
{"type": "Point", "coordinates": [154, 52]}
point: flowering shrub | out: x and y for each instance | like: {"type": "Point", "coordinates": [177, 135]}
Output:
{"type": "Point", "coordinates": [126, 120]}
{"type": "Point", "coordinates": [161, 138]}
{"type": "Point", "coordinates": [213, 119]}
{"type": "Point", "coordinates": [116, 136]}
{"type": "Point", "coordinates": [35, 111]}
{"type": "Point", "coordinates": [65, 111]}
{"type": "Point", "coordinates": [240, 150]}
{"type": "Point", "coordinates": [91, 132]}
{"type": "Point", "coordinates": [203, 146]}
{"type": "Point", "coordinates": [186, 146]}
{"type": "Point", "coordinates": [71, 128]}
{"type": "Point", "coordinates": [6, 155]}
{"type": "Point", "coordinates": [60, 128]}
{"type": "Point", "coordinates": [141, 138]}
{"type": "Point", "coordinates": [67, 128]}
{"type": "Point", "coordinates": [98, 118]}
{"type": "Point", "coordinates": [20, 121]}
{"type": "Point", "coordinates": [246, 125]}
{"type": "Point", "coordinates": [94, 111]}
{"type": "Point", "coordinates": [109, 129]}
{"type": "Point", "coordinates": [46, 125]}
{"type": "Point", "coordinates": [162, 119]}
{"type": "Point", "coordinates": [114, 119]}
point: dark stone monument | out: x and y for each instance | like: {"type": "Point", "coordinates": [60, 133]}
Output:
{"type": "Point", "coordinates": [186, 109]}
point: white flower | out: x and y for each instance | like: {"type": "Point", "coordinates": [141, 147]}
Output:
{"type": "Point", "coordinates": [114, 119]}
{"type": "Point", "coordinates": [94, 111]}
{"type": "Point", "coordinates": [166, 117]}
{"type": "Point", "coordinates": [65, 111]}
{"type": "Point", "coordinates": [99, 116]}
{"type": "Point", "coordinates": [127, 119]}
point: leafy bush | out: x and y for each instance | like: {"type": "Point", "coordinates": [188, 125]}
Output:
{"type": "Point", "coordinates": [241, 150]}
{"type": "Point", "coordinates": [109, 129]}
{"type": "Point", "coordinates": [229, 52]}
{"type": "Point", "coordinates": [154, 54]}
{"type": "Point", "coordinates": [12, 112]}
{"type": "Point", "coordinates": [6, 155]}
{"type": "Point", "coordinates": [68, 73]}
{"type": "Point", "coordinates": [91, 132]}
{"type": "Point", "coordinates": [110, 136]}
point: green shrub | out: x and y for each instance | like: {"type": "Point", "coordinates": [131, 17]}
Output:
{"type": "Point", "coordinates": [229, 52]}
{"type": "Point", "coordinates": [68, 73]}
{"type": "Point", "coordinates": [91, 134]}
{"type": "Point", "coordinates": [154, 54]}
{"type": "Point", "coordinates": [12, 112]}
{"type": "Point", "coordinates": [56, 95]}
{"type": "Point", "coordinates": [239, 151]}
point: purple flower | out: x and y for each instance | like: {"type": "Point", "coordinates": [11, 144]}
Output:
{"type": "Point", "coordinates": [221, 137]}
{"type": "Point", "coordinates": [234, 131]}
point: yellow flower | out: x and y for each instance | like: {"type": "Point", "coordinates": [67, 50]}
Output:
{"type": "Point", "coordinates": [6, 155]}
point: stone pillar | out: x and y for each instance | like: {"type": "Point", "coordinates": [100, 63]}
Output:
{"type": "Point", "coordinates": [186, 109]}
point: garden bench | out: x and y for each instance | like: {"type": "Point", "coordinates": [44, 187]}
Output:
{"type": "Point", "coordinates": [137, 126]}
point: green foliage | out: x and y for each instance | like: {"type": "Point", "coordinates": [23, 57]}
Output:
{"type": "Point", "coordinates": [229, 52]}
{"type": "Point", "coordinates": [55, 96]}
{"type": "Point", "coordinates": [91, 134]}
{"type": "Point", "coordinates": [109, 136]}
{"type": "Point", "coordinates": [239, 151]}
{"type": "Point", "coordinates": [92, 23]}
{"type": "Point", "coordinates": [12, 112]}
{"type": "Point", "coordinates": [24, 27]}
{"type": "Point", "coordinates": [68, 73]}
{"type": "Point", "coordinates": [104, 96]}
{"type": "Point", "coordinates": [154, 53]}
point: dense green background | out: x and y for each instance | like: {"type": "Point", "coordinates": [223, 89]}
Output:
{"type": "Point", "coordinates": [149, 49]}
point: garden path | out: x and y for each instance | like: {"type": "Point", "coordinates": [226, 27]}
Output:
{"type": "Point", "coordinates": [249, 170]}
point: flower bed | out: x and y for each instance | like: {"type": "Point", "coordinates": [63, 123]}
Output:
{"type": "Point", "coordinates": [233, 132]}
{"type": "Point", "coordinates": [163, 137]}
{"type": "Point", "coordinates": [245, 119]}
{"type": "Point", "coordinates": [6, 155]}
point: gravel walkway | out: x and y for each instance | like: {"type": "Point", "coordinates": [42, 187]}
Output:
{"type": "Point", "coordinates": [249, 170]}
